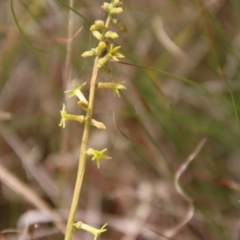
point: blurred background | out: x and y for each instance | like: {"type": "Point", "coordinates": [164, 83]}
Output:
{"type": "Point", "coordinates": [181, 104]}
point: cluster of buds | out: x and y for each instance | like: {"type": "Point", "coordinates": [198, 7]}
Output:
{"type": "Point", "coordinates": [100, 30]}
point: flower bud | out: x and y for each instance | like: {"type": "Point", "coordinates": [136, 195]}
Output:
{"type": "Point", "coordinates": [110, 34]}
{"type": "Point", "coordinates": [97, 25]}
{"type": "Point", "coordinates": [116, 10]}
{"type": "Point", "coordinates": [97, 35]}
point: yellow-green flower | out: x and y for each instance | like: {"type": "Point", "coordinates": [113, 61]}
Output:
{"type": "Point", "coordinates": [98, 124]}
{"type": "Point", "coordinates": [113, 52]}
{"type": "Point", "coordinates": [111, 34]}
{"type": "Point", "coordinates": [69, 117]}
{"type": "Point", "coordinates": [98, 24]}
{"type": "Point", "coordinates": [112, 7]}
{"type": "Point", "coordinates": [106, 6]}
{"type": "Point", "coordinates": [114, 86]}
{"type": "Point", "coordinates": [97, 35]}
{"type": "Point", "coordinates": [77, 92]}
{"type": "Point", "coordinates": [79, 118]}
{"type": "Point", "coordinates": [95, 231]}
{"type": "Point", "coordinates": [116, 10]}
{"type": "Point", "coordinates": [97, 155]}
{"type": "Point", "coordinates": [90, 53]}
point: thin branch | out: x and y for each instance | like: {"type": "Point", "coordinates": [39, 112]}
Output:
{"type": "Point", "coordinates": [67, 73]}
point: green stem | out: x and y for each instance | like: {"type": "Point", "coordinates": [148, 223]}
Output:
{"type": "Point", "coordinates": [82, 157]}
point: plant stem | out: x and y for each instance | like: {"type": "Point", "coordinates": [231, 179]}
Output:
{"type": "Point", "coordinates": [82, 157]}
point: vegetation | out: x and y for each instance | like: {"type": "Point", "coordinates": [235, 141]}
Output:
{"type": "Point", "coordinates": [173, 135]}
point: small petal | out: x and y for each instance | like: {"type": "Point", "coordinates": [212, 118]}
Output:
{"type": "Point", "coordinates": [113, 52]}
{"type": "Point", "coordinates": [63, 120]}
{"type": "Point", "coordinates": [119, 55]}
{"type": "Point", "coordinates": [116, 56]}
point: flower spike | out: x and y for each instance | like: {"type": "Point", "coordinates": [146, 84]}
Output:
{"type": "Point", "coordinates": [104, 52]}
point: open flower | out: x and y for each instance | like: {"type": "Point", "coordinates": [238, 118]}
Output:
{"type": "Point", "coordinates": [98, 156]}
{"type": "Point", "coordinates": [113, 52]}
{"type": "Point", "coordinates": [69, 117]}
{"type": "Point", "coordinates": [77, 92]}
{"type": "Point", "coordinates": [114, 86]}
{"type": "Point", "coordinates": [79, 118]}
